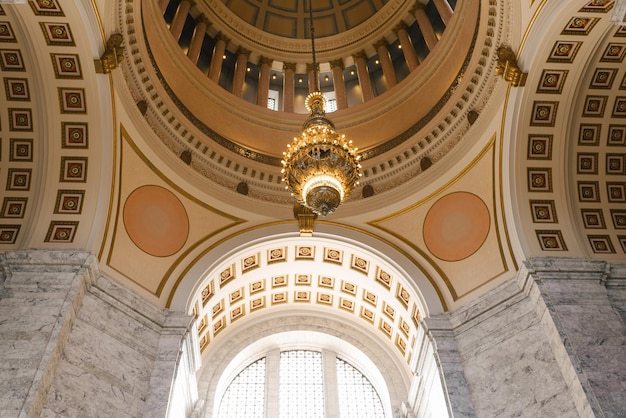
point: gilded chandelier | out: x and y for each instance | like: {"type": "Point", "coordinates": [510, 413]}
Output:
{"type": "Point", "coordinates": [320, 166]}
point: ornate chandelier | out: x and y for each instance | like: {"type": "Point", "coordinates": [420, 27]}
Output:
{"type": "Point", "coordinates": [320, 167]}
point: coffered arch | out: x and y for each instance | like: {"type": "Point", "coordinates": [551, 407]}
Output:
{"type": "Point", "coordinates": [58, 132]}
{"type": "Point", "coordinates": [567, 123]}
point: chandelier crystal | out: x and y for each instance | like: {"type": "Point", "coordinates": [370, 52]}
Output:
{"type": "Point", "coordinates": [320, 166]}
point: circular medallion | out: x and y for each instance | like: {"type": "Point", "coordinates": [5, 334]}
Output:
{"type": "Point", "coordinates": [456, 226]}
{"type": "Point", "coordinates": [156, 221]}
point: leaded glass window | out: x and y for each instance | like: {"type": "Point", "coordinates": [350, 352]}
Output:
{"type": "Point", "coordinates": [299, 381]}
{"type": "Point", "coordinates": [357, 396]}
{"type": "Point", "coordinates": [301, 384]}
{"type": "Point", "coordinates": [245, 396]}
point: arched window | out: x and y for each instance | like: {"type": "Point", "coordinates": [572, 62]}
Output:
{"type": "Point", "coordinates": [357, 397]}
{"type": "Point", "coordinates": [245, 396]}
{"type": "Point", "coordinates": [302, 384]}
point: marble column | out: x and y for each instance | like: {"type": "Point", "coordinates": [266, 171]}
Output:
{"type": "Point", "coordinates": [176, 28]}
{"type": "Point", "coordinates": [424, 398]}
{"type": "Point", "coordinates": [450, 362]}
{"type": "Point", "coordinates": [215, 68]}
{"type": "Point", "coordinates": [173, 373]}
{"type": "Point", "coordinates": [265, 64]}
{"type": "Point", "coordinates": [198, 38]}
{"type": "Point", "coordinates": [337, 67]}
{"type": "Point", "coordinates": [408, 50]}
{"type": "Point", "coordinates": [241, 66]}
{"type": "Point", "coordinates": [76, 343]}
{"type": "Point", "coordinates": [382, 48]}
{"type": "Point", "coordinates": [444, 9]}
{"type": "Point", "coordinates": [289, 86]}
{"type": "Point", "coordinates": [425, 26]}
{"type": "Point", "coordinates": [360, 60]}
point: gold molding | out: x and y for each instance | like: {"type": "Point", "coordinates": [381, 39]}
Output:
{"type": "Point", "coordinates": [490, 146]}
{"type": "Point", "coordinates": [530, 25]}
{"type": "Point", "coordinates": [235, 220]}
{"type": "Point", "coordinates": [277, 223]}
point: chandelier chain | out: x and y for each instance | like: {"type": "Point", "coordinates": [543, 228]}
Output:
{"type": "Point", "coordinates": [320, 167]}
{"type": "Point", "coordinates": [312, 30]}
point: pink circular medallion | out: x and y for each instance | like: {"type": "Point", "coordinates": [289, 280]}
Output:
{"type": "Point", "coordinates": [156, 221]}
{"type": "Point", "coordinates": [456, 226]}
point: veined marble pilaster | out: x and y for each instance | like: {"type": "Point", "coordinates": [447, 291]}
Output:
{"type": "Point", "coordinates": [177, 360]}
{"type": "Point", "coordinates": [496, 359]}
{"type": "Point", "coordinates": [578, 302]}
{"type": "Point", "coordinates": [76, 343]}
{"type": "Point", "coordinates": [616, 289]}
{"type": "Point", "coordinates": [121, 358]}
{"type": "Point", "coordinates": [43, 291]}
{"type": "Point", "coordinates": [451, 367]}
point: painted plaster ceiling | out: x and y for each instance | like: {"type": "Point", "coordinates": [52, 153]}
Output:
{"type": "Point", "coordinates": [541, 172]}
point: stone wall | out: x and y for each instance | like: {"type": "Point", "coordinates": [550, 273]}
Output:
{"type": "Point", "coordinates": [548, 343]}
{"type": "Point", "coordinates": [75, 343]}
{"type": "Point", "coordinates": [585, 329]}
{"type": "Point", "coordinates": [616, 290]}
{"type": "Point", "coordinates": [508, 366]}
{"type": "Point", "coordinates": [42, 293]}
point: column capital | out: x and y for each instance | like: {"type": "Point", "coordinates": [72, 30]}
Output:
{"type": "Point", "coordinates": [567, 268]}
{"type": "Point", "coordinates": [337, 63]}
{"type": "Point", "coordinates": [361, 55]}
{"type": "Point", "coordinates": [289, 66]}
{"type": "Point", "coordinates": [310, 67]}
{"type": "Point", "coordinates": [381, 42]}
{"type": "Point", "coordinates": [243, 51]}
{"type": "Point", "coordinates": [265, 60]}
{"type": "Point", "coordinates": [400, 26]}
{"type": "Point", "coordinates": [221, 37]}
{"type": "Point", "coordinates": [202, 19]}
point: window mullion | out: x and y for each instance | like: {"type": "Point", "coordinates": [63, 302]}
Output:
{"type": "Point", "coordinates": [271, 383]}
{"type": "Point", "coordinates": [330, 384]}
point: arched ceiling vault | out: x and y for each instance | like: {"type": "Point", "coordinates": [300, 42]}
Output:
{"type": "Point", "coordinates": [570, 188]}
{"type": "Point", "coordinates": [540, 172]}
{"type": "Point", "coordinates": [325, 275]}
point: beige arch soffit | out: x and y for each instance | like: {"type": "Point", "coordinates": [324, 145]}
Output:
{"type": "Point", "coordinates": [376, 223]}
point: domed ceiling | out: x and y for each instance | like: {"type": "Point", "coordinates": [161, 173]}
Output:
{"type": "Point", "coordinates": [290, 18]}
{"type": "Point", "coordinates": [78, 146]}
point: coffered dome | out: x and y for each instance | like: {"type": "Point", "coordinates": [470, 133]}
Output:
{"type": "Point", "coordinates": [289, 18]}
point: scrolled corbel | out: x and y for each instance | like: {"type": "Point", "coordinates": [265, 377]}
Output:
{"type": "Point", "coordinates": [507, 67]}
{"type": "Point", "coordinates": [112, 56]}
